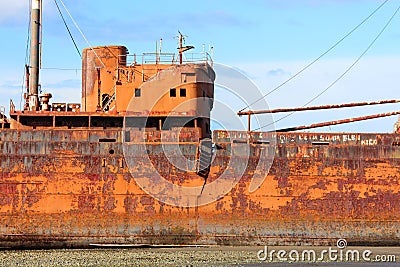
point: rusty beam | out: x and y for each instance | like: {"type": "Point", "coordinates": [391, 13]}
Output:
{"type": "Point", "coordinates": [279, 110]}
{"type": "Point", "coordinates": [330, 123]}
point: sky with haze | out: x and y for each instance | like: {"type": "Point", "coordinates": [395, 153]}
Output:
{"type": "Point", "coordinates": [268, 41]}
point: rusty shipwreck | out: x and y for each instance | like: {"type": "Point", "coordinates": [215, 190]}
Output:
{"type": "Point", "coordinates": [110, 170]}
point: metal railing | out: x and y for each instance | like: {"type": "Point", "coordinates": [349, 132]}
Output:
{"type": "Point", "coordinates": [169, 58]}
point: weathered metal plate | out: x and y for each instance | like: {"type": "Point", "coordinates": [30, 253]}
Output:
{"type": "Point", "coordinates": [72, 191]}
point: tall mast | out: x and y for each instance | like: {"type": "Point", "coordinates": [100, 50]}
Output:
{"type": "Point", "coordinates": [35, 55]}
{"type": "Point", "coordinates": [182, 48]}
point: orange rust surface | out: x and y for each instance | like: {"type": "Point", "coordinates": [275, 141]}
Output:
{"type": "Point", "coordinates": [73, 191]}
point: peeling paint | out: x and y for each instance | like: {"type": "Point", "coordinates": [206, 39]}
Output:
{"type": "Point", "coordinates": [61, 195]}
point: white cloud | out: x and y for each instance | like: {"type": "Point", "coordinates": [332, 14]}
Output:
{"type": "Point", "coordinates": [17, 12]}
{"type": "Point", "coordinates": [13, 11]}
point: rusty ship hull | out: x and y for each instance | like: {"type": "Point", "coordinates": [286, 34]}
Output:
{"type": "Point", "coordinates": [72, 192]}
{"type": "Point", "coordinates": [112, 169]}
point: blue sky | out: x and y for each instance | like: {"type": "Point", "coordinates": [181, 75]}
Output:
{"type": "Point", "coordinates": [267, 40]}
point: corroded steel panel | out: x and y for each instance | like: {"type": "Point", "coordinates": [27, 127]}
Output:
{"type": "Point", "coordinates": [75, 190]}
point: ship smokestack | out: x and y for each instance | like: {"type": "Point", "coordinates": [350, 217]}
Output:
{"type": "Point", "coordinates": [35, 55]}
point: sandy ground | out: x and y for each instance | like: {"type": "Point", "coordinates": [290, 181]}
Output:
{"type": "Point", "coordinates": [198, 256]}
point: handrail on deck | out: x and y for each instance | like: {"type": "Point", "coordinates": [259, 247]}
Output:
{"type": "Point", "coordinates": [169, 58]}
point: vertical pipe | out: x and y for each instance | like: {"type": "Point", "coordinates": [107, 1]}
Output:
{"type": "Point", "coordinates": [248, 123]}
{"type": "Point", "coordinates": [180, 48]}
{"type": "Point", "coordinates": [85, 77]}
{"type": "Point", "coordinates": [98, 90]}
{"type": "Point", "coordinates": [160, 124]}
{"type": "Point", "coordinates": [156, 52]}
{"type": "Point", "coordinates": [35, 55]}
{"type": "Point", "coordinates": [26, 94]}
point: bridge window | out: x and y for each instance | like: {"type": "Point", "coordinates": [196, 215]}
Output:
{"type": "Point", "coordinates": [137, 92]}
{"type": "Point", "coordinates": [172, 92]}
{"type": "Point", "coordinates": [182, 92]}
